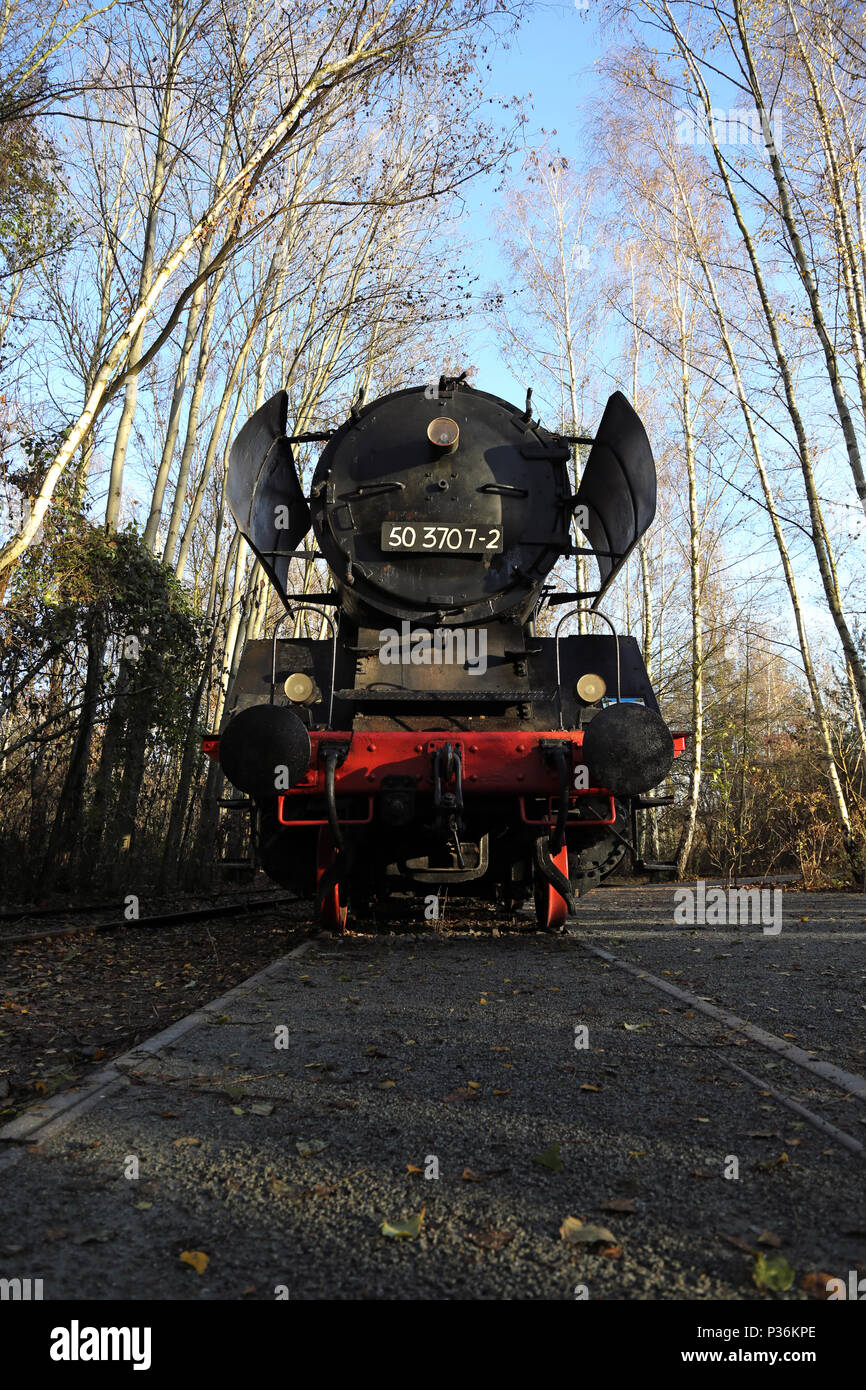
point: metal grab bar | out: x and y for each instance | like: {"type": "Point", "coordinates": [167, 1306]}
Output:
{"type": "Point", "coordinates": [568, 614]}
{"type": "Point", "coordinates": [290, 613]}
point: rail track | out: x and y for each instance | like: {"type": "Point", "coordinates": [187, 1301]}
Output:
{"type": "Point", "coordinates": [112, 915]}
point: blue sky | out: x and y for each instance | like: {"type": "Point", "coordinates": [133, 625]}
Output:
{"type": "Point", "coordinates": [551, 58]}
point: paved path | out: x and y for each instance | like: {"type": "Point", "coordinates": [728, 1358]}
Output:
{"type": "Point", "coordinates": [457, 1054]}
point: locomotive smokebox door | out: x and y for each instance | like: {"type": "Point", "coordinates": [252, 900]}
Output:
{"type": "Point", "coordinates": [441, 511]}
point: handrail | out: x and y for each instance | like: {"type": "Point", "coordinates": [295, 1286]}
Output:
{"type": "Point", "coordinates": [604, 618]}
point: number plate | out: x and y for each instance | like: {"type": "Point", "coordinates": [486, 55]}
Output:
{"type": "Point", "coordinates": [441, 540]}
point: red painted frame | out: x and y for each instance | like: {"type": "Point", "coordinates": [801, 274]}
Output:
{"type": "Point", "coordinates": [495, 762]}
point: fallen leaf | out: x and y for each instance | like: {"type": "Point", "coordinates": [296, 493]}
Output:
{"type": "Point", "coordinates": [470, 1175]}
{"type": "Point", "coordinates": [100, 1234]}
{"type": "Point", "coordinates": [635, 1027]}
{"type": "Point", "coordinates": [384, 1085]}
{"type": "Point", "coordinates": [197, 1260]}
{"type": "Point", "coordinates": [550, 1159]}
{"type": "Point", "coordinates": [262, 1107]}
{"type": "Point", "coordinates": [404, 1230]}
{"type": "Point", "coordinates": [279, 1186]}
{"type": "Point", "coordinates": [741, 1244]}
{"type": "Point", "coordinates": [701, 1173]}
{"type": "Point", "coordinates": [618, 1204]}
{"type": "Point", "coordinates": [307, 1148]}
{"type": "Point", "coordinates": [143, 1206]}
{"type": "Point", "coordinates": [773, 1163]}
{"type": "Point", "coordinates": [502, 1091]}
{"type": "Point", "coordinates": [413, 1168]}
{"type": "Point", "coordinates": [576, 1232]}
{"type": "Point", "coordinates": [588, 1087]}
{"type": "Point", "coordinates": [474, 1085]}
{"type": "Point", "coordinates": [186, 1140]}
{"type": "Point", "coordinates": [767, 1238]}
{"type": "Point", "coordinates": [773, 1272]}
{"type": "Point", "coordinates": [490, 1239]}
{"type": "Point", "coordinates": [815, 1284]}
{"type": "Point", "coordinates": [462, 1093]}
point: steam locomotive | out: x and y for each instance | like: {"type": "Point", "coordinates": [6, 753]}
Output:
{"type": "Point", "coordinates": [430, 740]}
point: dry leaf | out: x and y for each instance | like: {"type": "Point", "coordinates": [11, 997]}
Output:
{"type": "Point", "coordinates": [815, 1284]}
{"type": "Point", "coordinates": [197, 1259]}
{"type": "Point", "coordinates": [773, 1272]}
{"type": "Point", "coordinates": [550, 1159]}
{"type": "Point", "coordinates": [767, 1238]}
{"type": "Point", "coordinates": [740, 1244]}
{"type": "Point", "coordinates": [462, 1093]}
{"type": "Point", "coordinates": [404, 1230]}
{"type": "Point", "coordinates": [576, 1232]}
{"type": "Point", "coordinates": [772, 1163]}
{"type": "Point", "coordinates": [490, 1239]}
{"type": "Point", "coordinates": [307, 1148]}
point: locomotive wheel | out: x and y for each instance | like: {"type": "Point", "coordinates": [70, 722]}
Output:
{"type": "Point", "coordinates": [551, 909]}
{"type": "Point", "coordinates": [332, 915]}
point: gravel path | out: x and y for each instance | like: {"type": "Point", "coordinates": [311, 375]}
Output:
{"type": "Point", "coordinates": [409, 1056]}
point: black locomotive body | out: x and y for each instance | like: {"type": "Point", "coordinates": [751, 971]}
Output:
{"type": "Point", "coordinates": [430, 739]}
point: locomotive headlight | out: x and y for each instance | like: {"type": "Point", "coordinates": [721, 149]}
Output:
{"type": "Point", "coordinates": [443, 434]}
{"type": "Point", "coordinates": [301, 689]}
{"type": "Point", "coordinates": [591, 689]}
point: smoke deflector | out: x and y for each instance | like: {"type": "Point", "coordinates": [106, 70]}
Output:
{"type": "Point", "coordinates": [264, 491]}
{"type": "Point", "coordinates": [618, 489]}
